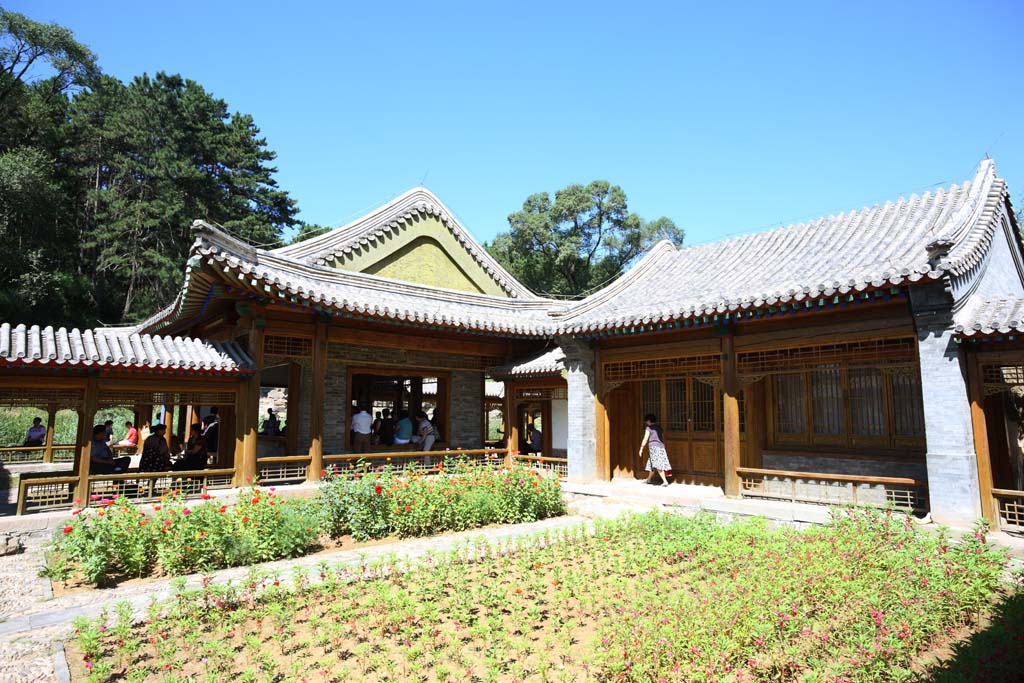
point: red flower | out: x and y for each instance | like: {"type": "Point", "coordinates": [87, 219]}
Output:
{"type": "Point", "coordinates": [323, 473]}
{"type": "Point", "coordinates": [68, 529]}
{"type": "Point", "coordinates": [256, 500]}
{"type": "Point", "coordinates": [377, 489]}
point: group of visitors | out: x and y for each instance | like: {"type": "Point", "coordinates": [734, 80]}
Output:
{"type": "Point", "coordinates": [384, 430]}
{"type": "Point", "coordinates": [159, 454]}
{"type": "Point", "coordinates": [36, 435]}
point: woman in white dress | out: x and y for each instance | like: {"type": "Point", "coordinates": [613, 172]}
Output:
{"type": "Point", "coordinates": [657, 456]}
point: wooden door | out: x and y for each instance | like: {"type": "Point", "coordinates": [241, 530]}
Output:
{"type": "Point", "coordinates": [624, 422]}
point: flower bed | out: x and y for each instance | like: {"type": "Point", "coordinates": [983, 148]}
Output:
{"type": "Point", "coordinates": [116, 540]}
{"type": "Point", "coordinates": [657, 597]}
{"type": "Point", "coordinates": [393, 503]}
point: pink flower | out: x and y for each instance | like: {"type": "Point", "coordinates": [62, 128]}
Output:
{"type": "Point", "coordinates": [186, 511]}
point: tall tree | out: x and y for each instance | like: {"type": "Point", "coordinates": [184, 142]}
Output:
{"type": "Point", "coordinates": [159, 153]}
{"type": "Point", "coordinates": [578, 242]}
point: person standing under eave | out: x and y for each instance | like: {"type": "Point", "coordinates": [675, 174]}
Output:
{"type": "Point", "coordinates": [657, 456]}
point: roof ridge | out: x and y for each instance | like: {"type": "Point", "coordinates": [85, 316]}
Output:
{"type": "Point", "coordinates": [390, 217]}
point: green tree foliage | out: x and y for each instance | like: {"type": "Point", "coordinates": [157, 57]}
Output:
{"type": "Point", "coordinates": [309, 231]}
{"type": "Point", "coordinates": [579, 241]}
{"type": "Point", "coordinates": [100, 180]}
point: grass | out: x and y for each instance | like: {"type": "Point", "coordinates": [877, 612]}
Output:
{"type": "Point", "coordinates": [654, 597]}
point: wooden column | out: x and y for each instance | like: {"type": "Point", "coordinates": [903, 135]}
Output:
{"type": "Point", "coordinates": [169, 423]}
{"type": "Point", "coordinates": [601, 427]}
{"type": "Point", "coordinates": [511, 424]}
{"type": "Point", "coordinates": [317, 397]}
{"type": "Point", "coordinates": [51, 425]}
{"type": "Point", "coordinates": [291, 441]}
{"type": "Point", "coordinates": [190, 413]}
{"type": "Point", "coordinates": [83, 441]}
{"type": "Point", "coordinates": [545, 438]}
{"type": "Point", "coordinates": [976, 395]}
{"type": "Point", "coordinates": [251, 399]}
{"type": "Point", "coordinates": [731, 418]}
{"type": "Point", "coordinates": [238, 425]}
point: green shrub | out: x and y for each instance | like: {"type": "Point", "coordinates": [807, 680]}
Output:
{"type": "Point", "coordinates": [118, 539]}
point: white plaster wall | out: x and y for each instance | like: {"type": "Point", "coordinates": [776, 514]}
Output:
{"type": "Point", "coordinates": [559, 424]}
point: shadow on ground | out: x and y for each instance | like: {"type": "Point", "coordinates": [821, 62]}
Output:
{"type": "Point", "coordinates": [995, 654]}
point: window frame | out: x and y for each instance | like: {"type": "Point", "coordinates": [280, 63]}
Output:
{"type": "Point", "coordinates": [847, 439]}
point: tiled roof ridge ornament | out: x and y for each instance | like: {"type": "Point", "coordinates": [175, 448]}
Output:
{"type": "Point", "coordinates": [938, 249]}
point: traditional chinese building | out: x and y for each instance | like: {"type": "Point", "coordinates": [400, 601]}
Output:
{"type": "Point", "coordinates": [867, 357]}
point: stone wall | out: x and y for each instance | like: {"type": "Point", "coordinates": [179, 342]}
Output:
{"type": "Point", "coordinates": [466, 406]}
{"type": "Point", "coordinates": [581, 381]}
{"type": "Point", "coordinates": [952, 465]}
{"type": "Point", "coordinates": [798, 462]}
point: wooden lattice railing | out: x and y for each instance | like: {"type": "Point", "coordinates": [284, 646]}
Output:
{"type": "Point", "coordinates": [422, 461]}
{"type": "Point", "coordinates": [37, 494]}
{"type": "Point", "coordinates": [559, 466]}
{"type": "Point", "coordinates": [834, 489]}
{"type": "Point", "coordinates": [1009, 506]}
{"type": "Point", "coordinates": [17, 455]}
{"type": "Point", "coordinates": [282, 469]}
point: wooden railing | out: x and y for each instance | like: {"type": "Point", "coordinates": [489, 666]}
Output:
{"type": "Point", "coordinates": [559, 466]}
{"type": "Point", "coordinates": [17, 455]}
{"type": "Point", "coordinates": [423, 461]}
{"type": "Point", "coordinates": [834, 489]}
{"type": "Point", "coordinates": [1009, 506]}
{"type": "Point", "coordinates": [282, 469]}
{"type": "Point", "coordinates": [37, 494]}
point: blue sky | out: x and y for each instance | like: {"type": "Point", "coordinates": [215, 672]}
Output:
{"type": "Point", "coordinates": [728, 119]}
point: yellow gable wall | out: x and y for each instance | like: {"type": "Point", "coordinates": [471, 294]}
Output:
{"type": "Point", "coordinates": [421, 250]}
{"type": "Point", "coordinates": [424, 261]}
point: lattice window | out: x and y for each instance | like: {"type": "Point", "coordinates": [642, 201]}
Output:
{"type": "Point", "coordinates": [677, 412]}
{"type": "Point", "coordinates": [852, 407]}
{"type": "Point", "coordinates": [703, 406]}
{"type": "Point", "coordinates": [38, 397]}
{"type": "Point", "coordinates": [789, 404]}
{"type": "Point", "coordinates": [293, 347]}
{"type": "Point", "coordinates": [129, 399]}
{"type": "Point", "coordinates": [827, 401]}
{"type": "Point", "coordinates": [872, 352]}
{"type": "Point", "coordinates": [997, 377]}
{"type": "Point", "coordinates": [650, 393]}
{"type": "Point", "coordinates": [908, 406]}
{"type": "Point", "coordinates": [624, 371]}
{"type": "Point", "coordinates": [867, 402]}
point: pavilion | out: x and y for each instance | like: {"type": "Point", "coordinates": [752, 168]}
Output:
{"type": "Point", "coordinates": [874, 356]}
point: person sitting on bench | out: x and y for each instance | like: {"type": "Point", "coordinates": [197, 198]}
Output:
{"type": "Point", "coordinates": [101, 457]}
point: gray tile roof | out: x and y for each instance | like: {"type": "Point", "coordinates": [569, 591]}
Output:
{"type": "Point", "coordinates": [991, 317]}
{"type": "Point", "coordinates": [548, 362]}
{"type": "Point", "coordinates": [393, 217]}
{"type": "Point", "coordinates": [941, 234]}
{"type": "Point", "coordinates": [920, 237]}
{"type": "Point", "coordinates": [116, 347]}
{"type": "Point", "coordinates": [269, 274]}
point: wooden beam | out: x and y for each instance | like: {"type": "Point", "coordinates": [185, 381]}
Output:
{"type": "Point", "coordinates": [84, 439]}
{"type": "Point", "coordinates": [411, 340]}
{"type": "Point", "coordinates": [317, 397]}
{"type": "Point", "coordinates": [976, 396]}
{"type": "Point", "coordinates": [731, 418]}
